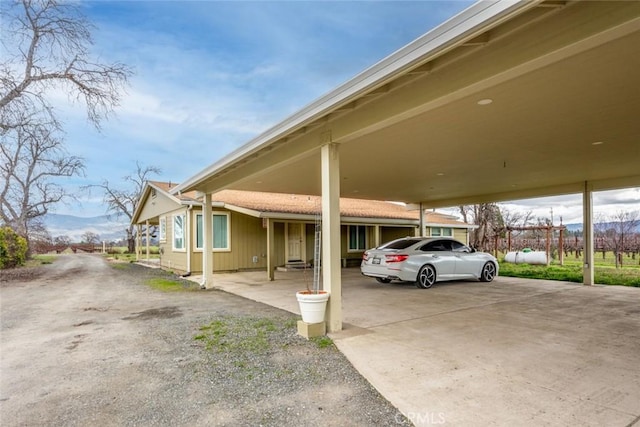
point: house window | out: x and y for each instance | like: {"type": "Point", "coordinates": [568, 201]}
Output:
{"type": "Point", "coordinates": [163, 229]}
{"type": "Point", "coordinates": [199, 242]}
{"type": "Point", "coordinates": [178, 232]}
{"type": "Point", "coordinates": [357, 238]}
{"type": "Point", "coordinates": [441, 232]}
{"type": "Point", "coordinates": [220, 231]}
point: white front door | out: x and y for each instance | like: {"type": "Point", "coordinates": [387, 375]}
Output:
{"type": "Point", "coordinates": [295, 241]}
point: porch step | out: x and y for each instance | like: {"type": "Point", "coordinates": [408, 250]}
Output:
{"type": "Point", "coordinates": [293, 266]}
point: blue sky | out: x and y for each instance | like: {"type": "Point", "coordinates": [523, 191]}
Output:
{"type": "Point", "coordinates": [211, 75]}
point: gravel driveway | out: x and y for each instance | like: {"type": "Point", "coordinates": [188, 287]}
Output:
{"type": "Point", "coordinates": [85, 343]}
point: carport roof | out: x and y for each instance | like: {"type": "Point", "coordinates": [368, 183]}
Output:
{"type": "Point", "coordinates": [506, 100]}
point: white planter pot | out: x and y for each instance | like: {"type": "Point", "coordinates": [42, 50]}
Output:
{"type": "Point", "coordinates": [312, 306]}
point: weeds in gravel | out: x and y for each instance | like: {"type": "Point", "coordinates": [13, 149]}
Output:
{"type": "Point", "coordinates": [238, 334]}
{"type": "Point", "coordinates": [170, 285]}
{"type": "Point", "coordinates": [38, 260]}
{"type": "Point", "coordinates": [322, 342]}
{"type": "Point", "coordinates": [44, 259]}
{"type": "Point", "coordinates": [243, 347]}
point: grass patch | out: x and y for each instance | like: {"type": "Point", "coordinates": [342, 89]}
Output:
{"type": "Point", "coordinates": [242, 335]}
{"type": "Point", "coordinates": [572, 273]}
{"type": "Point", "coordinates": [164, 284]}
{"type": "Point", "coordinates": [37, 260]}
{"type": "Point", "coordinates": [322, 342]}
{"type": "Point", "coordinates": [122, 257]}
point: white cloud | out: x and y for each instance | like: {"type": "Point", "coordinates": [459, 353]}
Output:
{"type": "Point", "coordinates": [212, 75]}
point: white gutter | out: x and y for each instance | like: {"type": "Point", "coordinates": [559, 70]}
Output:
{"type": "Point", "coordinates": [461, 225]}
{"type": "Point", "coordinates": [470, 22]}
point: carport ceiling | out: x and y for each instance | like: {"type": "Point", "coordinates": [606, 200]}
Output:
{"type": "Point", "coordinates": [564, 87]}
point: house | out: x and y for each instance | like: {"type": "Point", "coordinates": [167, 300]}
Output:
{"type": "Point", "coordinates": [242, 222]}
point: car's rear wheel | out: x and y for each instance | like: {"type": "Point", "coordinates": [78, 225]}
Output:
{"type": "Point", "coordinates": [426, 277]}
{"type": "Point", "coordinates": [488, 272]}
{"type": "Point", "coordinates": [383, 280]}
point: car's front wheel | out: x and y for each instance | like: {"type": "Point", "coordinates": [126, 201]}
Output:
{"type": "Point", "coordinates": [426, 277]}
{"type": "Point", "coordinates": [383, 280]}
{"type": "Point", "coordinates": [488, 272]}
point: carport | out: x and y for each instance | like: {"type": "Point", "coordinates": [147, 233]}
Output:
{"type": "Point", "coordinates": [506, 100]}
{"type": "Point", "coordinates": [512, 352]}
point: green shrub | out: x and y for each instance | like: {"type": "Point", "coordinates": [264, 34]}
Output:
{"type": "Point", "coordinates": [13, 248]}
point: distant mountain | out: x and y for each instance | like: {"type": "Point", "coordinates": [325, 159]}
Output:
{"type": "Point", "coordinates": [604, 225]}
{"type": "Point", "coordinates": [573, 227]}
{"type": "Point", "coordinates": [109, 229]}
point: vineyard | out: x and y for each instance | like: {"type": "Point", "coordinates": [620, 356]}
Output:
{"type": "Point", "coordinates": [560, 248]}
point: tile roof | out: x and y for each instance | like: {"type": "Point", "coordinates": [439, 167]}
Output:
{"type": "Point", "coordinates": [312, 205]}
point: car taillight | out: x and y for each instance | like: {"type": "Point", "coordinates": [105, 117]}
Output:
{"type": "Point", "coordinates": [365, 256]}
{"type": "Point", "coordinates": [395, 258]}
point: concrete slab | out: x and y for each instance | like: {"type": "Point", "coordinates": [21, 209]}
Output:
{"type": "Point", "coordinates": [512, 352]}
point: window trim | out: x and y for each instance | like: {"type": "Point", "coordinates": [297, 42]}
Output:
{"type": "Point", "coordinates": [441, 229]}
{"type": "Point", "coordinates": [162, 229]}
{"type": "Point", "coordinates": [351, 250]}
{"type": "Point", "coordinates": [173, 233]}
{"type": "Point", "coordinates": [197, 248]}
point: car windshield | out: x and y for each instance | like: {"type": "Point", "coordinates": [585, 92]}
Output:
{"type": "Point", "coordinates": [400, 244]}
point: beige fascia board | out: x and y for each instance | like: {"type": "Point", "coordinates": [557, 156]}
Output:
{"type": "Point", "coordinates": [459, 226]}
{"type": "Point", "coordinates": [246, 211]}
{"type": "Point", "coordinates": [287, 216]}
{"type": "Point", "coordinates": [466, 25]}
{"type": "Point", "coordinates": [615, 183]}
{"type": "Point", "coordinates": [557, 190]}
{"type": "Point", "coordinates": [139, 207]}
{"type": "Point", "coordinates": [283, 216]}
{"type": "Point", "coordinates": [379, 221]}
{"type": "Point", "coordinates": [312, 217]}
{"type": "Point", "coordinates": [145, 195]}
{"type": "Point", "coordinates": [168, 193]}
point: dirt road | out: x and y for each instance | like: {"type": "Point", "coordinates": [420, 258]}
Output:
{"type": "Point", "coordinates": [88, 344]}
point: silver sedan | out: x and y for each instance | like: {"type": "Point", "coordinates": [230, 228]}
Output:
{"type": "Point", "coordinates": [427, 260]}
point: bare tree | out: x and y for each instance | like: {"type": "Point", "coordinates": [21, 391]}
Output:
{"type": "Point", "coordinates": [32, 158]}
{"type": "Point", "coordinates": [89, 237]}
{"type": "Point", "coordinates": [487, 217]}
{"type": "Point", "coordinates": [123, 202]}
{"type": "Point", "coordinates": [63, 240]}
{"type": "Point", "coordinates": [602, 233]}
{"type": "Point", "coordinates": [515, 218]}
{"type": "Point", "coordinates": [623, 225]}
{"type": "Point", "coordinates": [46, 48]}
{"type": "Point", "coordinates": [40, 239]}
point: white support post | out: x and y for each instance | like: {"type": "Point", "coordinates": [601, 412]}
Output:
{"type": "Point", "coordinates": [187, 237]}
{"type": "Point", "coordinates": [271, 249]}
{"type": "Point", "coordinates": [587, 234]}
{"type": "Point", "coordinates": [207, 243]}
{"type": "Point", "coordinates": [138, 242]}
{"type": "Point", "coordinates": [376, 236]}
{"type": "Point", "coordinates": [421, 232]}
{"type": "Point", "coordinates": [331, 271]}
{"type": "Point", "coordinates": [146, 224]}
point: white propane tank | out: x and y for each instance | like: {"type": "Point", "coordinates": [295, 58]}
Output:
{"type": "Point", "coordinates": [529, 257]}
